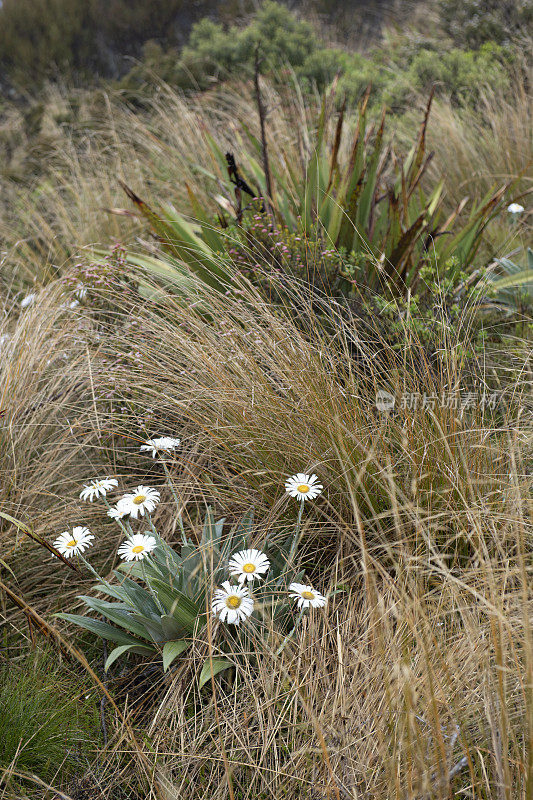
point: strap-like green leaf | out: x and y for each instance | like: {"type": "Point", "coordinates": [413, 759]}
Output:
{"type": "Point", "coordinates": [172, 650]}
{"type": "Point", "coordinates": [518, 279]}
{"type": "Point", "coordinates": [115, 612]}
{"type": "Point", "coordinates": [173, 628]}
{"type": "Point", "coordinates": [124, 648]}
{"type": "Point", "coordinates": [211, 668]}
{"type": "Point", "coordinates": [101, 629]}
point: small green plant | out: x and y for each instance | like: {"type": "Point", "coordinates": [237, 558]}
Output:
{"type": "Point", "coordinates": [512, 284]}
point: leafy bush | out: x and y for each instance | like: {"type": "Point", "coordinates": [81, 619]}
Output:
{"type": "Point", "coordinates": [472, 23]}
{"type": "Point", "coordinates": [459, 74]}
{"type": "Point", "coordinates": [216, 51]}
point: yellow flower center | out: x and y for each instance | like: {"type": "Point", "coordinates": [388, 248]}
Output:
{"type": "Point", "coordinates": [138, 548]}
{"type": "Point", "coordinates": [72, 543]}
{"type": "Point", "coordinates": [303, 488]}
{"type": "Point", "coordinates": [248, 567]}
{"type": "Point", "coordinates": [308, 595]}
{"type": "Point", "coordinates": [233, 601]}
{"type": "Point", "coordinates": [139, 499]}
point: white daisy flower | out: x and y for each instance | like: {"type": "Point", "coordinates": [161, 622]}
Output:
{"type": "Point", "coordinates": [141, 500]}
{"type": "Point", "coordinates": [515, 208]}
{"type": "Point", "coordinates": [98, 488]}
{"type": "Point", "coordinates": [307, 596]}
{"type": "Point", "coordinates": [232, 603]}
{"type": "Point", "coordinates": [70, 544]}
{"type": "Point", "coordinates": [248, 565]}
{"type": "Point", "coordinates": [119, 511]}
{"type": "Point", "coordinates": [303, 487]}
{"type": "Point", "coordinates": [28, 300]}
{"type": "Point", "coordinates": [164, 444]}
{"type": "Point", "coordinates": [137, 547]}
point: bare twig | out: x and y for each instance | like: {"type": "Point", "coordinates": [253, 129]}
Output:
{"type": "Point", "coordinates": [262, 122]}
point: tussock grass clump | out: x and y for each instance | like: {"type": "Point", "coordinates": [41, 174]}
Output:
{"type": "Point", "coordinates": [262, 392]}
{"type": "Point", "coordinates": [51, 438]}
{"type": "Point", "coordinates": [44, 728]}
{"type": "Point", "coordinates": [414, 681]}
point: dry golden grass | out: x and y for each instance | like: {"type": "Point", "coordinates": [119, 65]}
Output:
{"type": "Point", "coordinates": [417, 680]}
{"type": "Point", "coordinates": [76, 172]}
{"type": "Point", "coordinates": [478, 149]}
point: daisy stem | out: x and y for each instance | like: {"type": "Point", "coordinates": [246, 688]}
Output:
{"type": "Point", "coordinates": [152, 526]}
{"type": "Point", "coordinates": [290, 633]}
{"type": "Point", "coordinates": [92, 570]}
{"type": "Point", "coordinates": [176, 500]}
{"type": "Point", "coordinates": [147, 582]}
{"type": "Point", "coordinates": [297, 535]}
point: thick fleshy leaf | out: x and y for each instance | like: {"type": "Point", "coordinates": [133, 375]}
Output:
{"type": "Point", "coordinates": [124, 648]}
{"type": "Point", "coordinates": [101, 629]}
{"type": "Point", "coordinates": [172, 650]}
{"type": "Point", "coordinates": [211, 668]}
{"type": "Point", "coordinates": [117, 613]}
{"type": "Point", "coordinates": [172, 628]}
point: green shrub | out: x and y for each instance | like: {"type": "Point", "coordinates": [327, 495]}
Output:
{"type": "Point", "coordinates": [457, 73]}
{"type": "Point", "coordinates": [471, 23]}
{"type": "Point", "coordinates": [212, 50]}
{"type": "Point", "coordinates": [216, 52]}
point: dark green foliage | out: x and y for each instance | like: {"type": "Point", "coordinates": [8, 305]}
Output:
{"type": "Point", "coordinates": [471, 23]}
{"type": "Point", "coordinates": [39, 38]}
{"type": "Point", "coordinates": [458, 73]}
{"type": "Point", "coordinates": [215, 52]}
{"type": "Point", "coordinates": [48, 717]}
